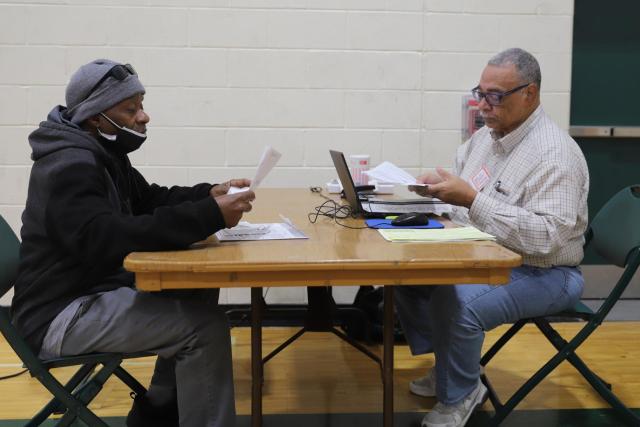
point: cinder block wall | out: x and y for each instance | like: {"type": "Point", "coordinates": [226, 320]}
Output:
{"type": "Point", "coordinates": [224, 78]}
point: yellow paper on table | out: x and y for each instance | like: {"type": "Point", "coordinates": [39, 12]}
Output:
{"type": "Point", "coordinates": [435, 235]}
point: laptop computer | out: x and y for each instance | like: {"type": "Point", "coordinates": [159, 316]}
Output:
{"type": "Point", "coordinates": [375, 208]}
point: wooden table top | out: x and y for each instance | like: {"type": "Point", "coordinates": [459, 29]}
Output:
{"type": "Point", "coordinates": [332, 255]}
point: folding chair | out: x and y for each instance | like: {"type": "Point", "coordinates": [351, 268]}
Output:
{"type": "Point", "coordinates": [615, 235]}
{"type": "Point", "coordinates": [72, 398]}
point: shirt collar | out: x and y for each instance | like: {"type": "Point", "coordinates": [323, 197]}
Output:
{"type": "Point", "coordinates": [510, 140]}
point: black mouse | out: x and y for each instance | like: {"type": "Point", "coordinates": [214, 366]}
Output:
{"type": "Point", "coordinates": [412, 218]}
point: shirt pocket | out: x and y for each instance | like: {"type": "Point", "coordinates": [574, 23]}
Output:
{"type": "Point", "coordinates": [502, 190]}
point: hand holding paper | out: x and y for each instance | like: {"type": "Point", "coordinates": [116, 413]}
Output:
{"type": "Point", "coordinates": [233, 206]}
{"type": "Point", "coordinates": [453, 190]}
{"type": "Point", "coordinates": [223, 188]}
{"type": "Point", "coordinates": [390, 173]}
{"type": "Point", "coordinates": [269, 159]}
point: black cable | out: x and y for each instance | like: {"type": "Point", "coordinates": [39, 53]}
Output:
{"type": "Point", "coordinates": [331, 209]}
{"type": "Point", "coordinates": [6, 377]}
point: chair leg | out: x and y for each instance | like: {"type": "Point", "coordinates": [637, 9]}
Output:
{"type": "Point", "coordinates": [602, 387]}
{"type": "Point", "coordinates": [75, 407]}
{"type": "Point", "coordinates": [566, 351]}
{"type": "Point", "coordinates": [502, 341]}
{"type": "Point", "coordinates": [525, 389]}
{"type": "Point", "coordinates": [489, 354]}
{"type": "Point", "coordinates": [604, 391]}
{"type": "Point", "coordinates": [55, 405]}
{"type": "Point", "coordinates": [83, 414]}
{"type": "Point", "coordinates": [130, 381]}
{"type": "Point", "coordinates": [560, 343]}
{"type": "Point", "coordinates": [90, 390]}
{"type": "Point", "coordinates": [491, 392]}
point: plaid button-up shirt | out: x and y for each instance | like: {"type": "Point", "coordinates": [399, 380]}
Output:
{"type": "Point", "coordinates": [535, 198]}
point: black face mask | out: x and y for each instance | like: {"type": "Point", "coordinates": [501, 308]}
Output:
{"type": "Point", "coordinates": [125, 141]}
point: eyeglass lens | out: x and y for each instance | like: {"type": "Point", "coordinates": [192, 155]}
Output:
{"type": "Point", "coordinates": [491, 98]}
{"type": "Point", "coordinates": [494, 98]}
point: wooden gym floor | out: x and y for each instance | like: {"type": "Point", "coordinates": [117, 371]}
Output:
{"type": "Point", "coordinates": [320, 380]}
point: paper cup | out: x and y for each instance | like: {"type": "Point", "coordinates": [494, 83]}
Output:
{"type": "Point", "coordinates": [359, 163]}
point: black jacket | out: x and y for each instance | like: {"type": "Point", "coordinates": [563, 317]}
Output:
{"type": "Point", "coordinates": [86, 209]}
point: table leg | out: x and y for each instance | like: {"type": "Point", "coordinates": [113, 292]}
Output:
{"type": "Point", "coordinates": [256, 357]}
{"type": "Point", "coordinates": [388, 358]}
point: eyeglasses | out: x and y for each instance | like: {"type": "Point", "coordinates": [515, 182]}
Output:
{"type": "Point", "coordinates": [118, 72]}
{"type": "Point", "coordinates": [494, 98]}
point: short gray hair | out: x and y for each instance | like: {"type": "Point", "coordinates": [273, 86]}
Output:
{"type": "Point", "coordinates": [526, 64]}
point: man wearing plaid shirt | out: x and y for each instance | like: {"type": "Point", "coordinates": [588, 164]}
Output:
{"type": "Point", "coordinates": [524, 180]}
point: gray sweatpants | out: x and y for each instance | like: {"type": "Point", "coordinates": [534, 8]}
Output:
{"type": "Point", "coordinates": [190, 335]}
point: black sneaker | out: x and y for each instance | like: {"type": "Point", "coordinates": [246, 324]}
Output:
{"type": "Point", "coordinates": [143, 414]}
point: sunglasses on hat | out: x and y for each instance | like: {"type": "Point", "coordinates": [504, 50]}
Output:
{"type": "Point", "coordinates": [118, 72]}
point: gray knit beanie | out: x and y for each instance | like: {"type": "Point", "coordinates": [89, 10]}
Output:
{"type": "Point", "coordinates": [81, 104]}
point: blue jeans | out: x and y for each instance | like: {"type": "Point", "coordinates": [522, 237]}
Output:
{"type": "Point", "coordinates": [450, 320]}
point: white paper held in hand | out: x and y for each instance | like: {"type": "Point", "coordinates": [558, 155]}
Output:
{"type": "Point", "coordinates": [269, 159]}
{"type": "Point", "coordinates": [389, 173]}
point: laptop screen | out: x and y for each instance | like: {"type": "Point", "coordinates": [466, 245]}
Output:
{"type": "Point", "coordinates": [380, 208]}
{"type": "Point", "coordinates": [347, 182]}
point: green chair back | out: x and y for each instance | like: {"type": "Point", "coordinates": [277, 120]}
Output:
{"type": "Point", "coordinates": [616, 228]}
{"type": "Point", "coordinates": [9, 256]}
{"type": "Point", "coordinates": [615, 235]}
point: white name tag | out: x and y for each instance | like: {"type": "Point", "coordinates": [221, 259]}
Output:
{"type": "Point", "coordinates": [480, 179]}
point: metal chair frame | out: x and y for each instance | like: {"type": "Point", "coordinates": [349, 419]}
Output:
{"type": "Point", "coordinates": [566, 350]}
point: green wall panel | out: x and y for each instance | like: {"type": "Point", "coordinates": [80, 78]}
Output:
{"type": "Point", "coordinates": [613, 165]}
{"type": "Point", "coordinates": [605, 90]}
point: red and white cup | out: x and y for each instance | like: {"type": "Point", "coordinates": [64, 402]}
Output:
{"type": "Point", "coordinates": [358, 163]}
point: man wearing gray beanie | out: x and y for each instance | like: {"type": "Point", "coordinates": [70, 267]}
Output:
{"type": "Point", "coordinates": [87, 208]}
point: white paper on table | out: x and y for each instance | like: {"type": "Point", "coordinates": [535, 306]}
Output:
{"type": "Point", "coordinates": [267, 231]}
{"type": "Point", "coordinates": [390, 173]}
{"type": "Point", "coordinates": [269, 159]}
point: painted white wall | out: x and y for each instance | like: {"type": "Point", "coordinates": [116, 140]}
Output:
{"type": "Point", "coordinates": [224, 78]}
